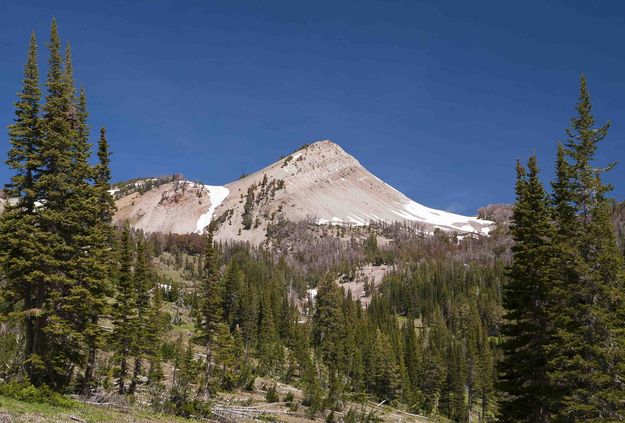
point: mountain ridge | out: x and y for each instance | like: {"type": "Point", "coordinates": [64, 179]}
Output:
{"type": "Point", "coordinates": [320, 183]}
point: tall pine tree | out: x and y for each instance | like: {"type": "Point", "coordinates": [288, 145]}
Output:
{"type": "Point", "coordinates": [124, 310]}
{"type": "Point", "coordinates": [211, 312]}
{"type": "Point", "coordinates": [141, 279]}
{"type": "Point", "coordinates": [100, 241]}
{"type": "Point", "coordinates": [588, 348]}
{"type": "Point", "coordinates": [526, 298]}
{"type": "Point", "coordinates": [20, 250]}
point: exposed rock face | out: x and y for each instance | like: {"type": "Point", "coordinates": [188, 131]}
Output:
{"type": "Point", "coordinates": [174, 207]}
{"type": "Point", "coordinates": [320, 183]}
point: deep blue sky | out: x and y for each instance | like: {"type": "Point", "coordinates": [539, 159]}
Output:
{"type": "Point", "coordinates": [436, 98]}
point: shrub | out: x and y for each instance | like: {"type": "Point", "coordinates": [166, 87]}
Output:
{"type": "Point", "coordinates": [29, 393]}
{"type": "Point", "coordinates": [10, 348]}
{"type": "Point", "coordinates": [180, 405]}
{"type": "Point", "coordinates": [246, 378]}
{"type": "Point", "coordinates": [272, 394]}
{"type": "Point", "coordinates": [289, 397]}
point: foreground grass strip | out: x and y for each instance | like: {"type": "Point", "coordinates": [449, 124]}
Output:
{"type": "Point", "coordinates": [16, 411]}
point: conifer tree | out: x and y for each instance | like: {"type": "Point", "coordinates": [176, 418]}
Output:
{"type": "Point", "coordinates": [312, 389]}
{"type": "Point", "coordinates": [25, 136]}
{"type": "Point", "coordinates": [248, 316]}
{"type": "Point", "coordinates": [526, 298]}
{"type": "Point", "coordinates": [124, 309]}
{"type": "Point", "coordinates": [270, 351]}
{"type": "Point", "coordinates": [588, 347]}
{"type": "Point", "coordinates": [60, 260]}
{"type": "Point", "coordinates": [97, 269]}
{"type": "Point", "coordinates": [187, 373]}
{"type": "Point", "coordinates": [228, 356]}
{"type": "Point", "coordinates": [156, 328]}
{"type": "Point", "coordinates": [56, 187]}
{"type": "Point", "coordinates": [102, 180]}
{"type": "Point", "coordinates": [328, 325]}
{"type": "Point", "coordinates": [233, 285]}
{"type": "Point", "coordinates": [384, 371]}
{"type": "Point", "coordinates": [211, 312]}
{"type": "Point", "coordinates": [411, 359]}
{"type": "Point", "coordinates": [141, 325]}
{"type": "Point", "coordinates": [20, 249]}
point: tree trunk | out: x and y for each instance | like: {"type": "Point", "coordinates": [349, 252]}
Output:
{"type": "Point", "coordinates": [207, 373]}
{"type": "Point", "coordinates": [135, 376]}
{"type": "Point", "coordinates": [123, 368]}
{"type": "Point", "coordinates": [86, 387]}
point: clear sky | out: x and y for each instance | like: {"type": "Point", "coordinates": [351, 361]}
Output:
{"type": "Point", "coordinates": [436, 98]}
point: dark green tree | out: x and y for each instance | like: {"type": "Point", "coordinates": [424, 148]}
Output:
{"type": "Point", "coordinates": [24, 289]}
{"type": "Point", "coordinates": [142, 285]}
{"type": "Point", "coordinates": [211, 294]}
{"type": "Point", "coordinates": [233, 281]}
{"type": "Point", "coordinates": [228, 355]}
{"type": "Point", "coordinates": [588, 347]}
{"type": "Point", "coordinates": [97, 266]}
{"type": "Point", "coordinates": [187, 374]}
{"type": "Point", "coordinates": [157, 327]}
{"type": "Point", "coordinates": [384, 375]}
{"type": "Point", "coordinates": [59, 191]}
{"type": "Point", "coordinates": [328, 323]}
{"type": "Point", "coordinates": [124, 309]}
{"type": "Point", "coordinates": [527, 297]}
{"type": "Point", "coordinates": [270, 351]}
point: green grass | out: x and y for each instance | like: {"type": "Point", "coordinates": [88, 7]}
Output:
{"type": "Point", "coordinates": [22, 411]}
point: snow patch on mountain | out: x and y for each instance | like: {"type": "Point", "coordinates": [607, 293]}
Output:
{"type": "Point", "coordinates": [420, 213]}
{"type": "Point", "coordinates": [217, 195]}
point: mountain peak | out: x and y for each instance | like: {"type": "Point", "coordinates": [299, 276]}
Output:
{"type": "Point", "coordinates": [327, 143]}
{"type": "Point", "coordinates": [320, 158]}
{"type": "Point", "coordinates": [323, 147]}
{"type": "Point", "coordinates": [320, 182]}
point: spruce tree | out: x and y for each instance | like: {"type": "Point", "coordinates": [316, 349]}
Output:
{"type": "Point", "coordinates": [312, 389]}
{"type": "Point", "coordinates": [233, 281]}
{"type": "Point", "coordinates": [124, 310]}
{"type": "Point", "coordinates": [270, 351]}
{"type": "Point", "coordinates": [20, 251]}
{"type": "Point", "coordinates": [526, 298]}
{"type": "Point", "coordinates": [25, 136]}
{"type": "Point", "coordinates": [228, 353]}
{"type": "Point", "coordinates": [56, 219]}
{"type": "Point", "coordinates": [96, 266]}
{"type": "Point", "coordinates": [156, 328]}
{"type": "Point", "coordinates": [411, 358]}
{"type": "Point", "coordinates": [211, 294]}
{"type": "Point", "coordinates": [588, 347]}
{"type": "Point", "coordinates": [141, 281]}
{"type": "Point", "coordinates": [187, 374]}
{"type": "Point", "coordinates": [384, 371]}
{"type": "Point", "coordinates": [60, 261]}
{"type": "Point", "coordinates": [328, 323]}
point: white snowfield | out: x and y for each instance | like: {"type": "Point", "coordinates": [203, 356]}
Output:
{"type": "Point", "coordinates": [320, 181]}
{"type": "Point", "coordinates": [217, 195]}
{"type": "Point", "coordinates": [441, 219]}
